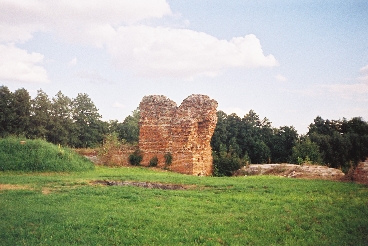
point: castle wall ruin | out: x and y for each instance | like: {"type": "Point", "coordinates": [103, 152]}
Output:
{"type": "Point", "coordinates": [185, 132]}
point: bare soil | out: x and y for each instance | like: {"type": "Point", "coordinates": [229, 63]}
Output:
{"type": "Point", "coordinates": [149, 185]}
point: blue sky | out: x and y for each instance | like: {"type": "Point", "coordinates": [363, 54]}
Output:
{"type": "Point", "coordinates": [289, 61]}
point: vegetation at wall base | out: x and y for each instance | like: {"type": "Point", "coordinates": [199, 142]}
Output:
{"type": "Point", "coordinates": [66, 209]}
{"type": "Point", "coordinates": [20, 154]}
{"type": "Point", "coordinates": [136, 158]}
{"type": "Point", "coordinates": [153, 162]}
{"type": "Point", "coordinates": [168, 159]}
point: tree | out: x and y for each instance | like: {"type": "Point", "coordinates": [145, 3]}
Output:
{"type": "Point", "coordinates": [252, 139]}
{"type": "Point", "coordinates": [89, 129]}
{"type": "Point", "coordinates": [282, 143]}
{"type": "Point", "coordinates": [356, 130]}
{"type": "Point", "coordinates": [40, 116]}
{"type": "Point", "coordinates": [219, 136]}
{"type": "Point", "coordinates": [129, 129]}
{"type": "Point", "coordinates": [306, 151]}
{"type": "Point", "coordinates": [342, 143]}
{"type": "Point", "coordinates": [21, 106]}
{"type": "Point", "coordinates": [61, 122]}
{"type": "Point", "coordinates": [7, 112]}
{"type": "Point", "coordinates": [259, 152]}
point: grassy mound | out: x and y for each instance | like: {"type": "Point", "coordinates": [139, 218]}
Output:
{"type": "Point", "coordinates": [38, 155]}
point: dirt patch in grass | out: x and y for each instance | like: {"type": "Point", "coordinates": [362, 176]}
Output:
{"type": "Point", "coordinates": [13, 187]}
{"type": "Point", "coordinates": [149, 185]}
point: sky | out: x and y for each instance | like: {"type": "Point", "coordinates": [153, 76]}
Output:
{"type": "Point", "coordinates": [289, 61]}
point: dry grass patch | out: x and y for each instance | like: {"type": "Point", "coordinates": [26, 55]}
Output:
{"type": "Point", "coordinates": [14, 187]}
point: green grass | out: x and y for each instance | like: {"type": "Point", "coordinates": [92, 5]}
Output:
{"type": "Point", "coordinates": [256, 210]}
{"type": "Point", "coordinates": [39, 155]}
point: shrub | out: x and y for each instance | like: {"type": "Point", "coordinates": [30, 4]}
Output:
{"type": "Point", "coordinates": [38, 155]}
{"type": "Point", "coordinates": [109, 149]}
{"type": "Point", "coordinates": [168, 159]}
{"type": "Point", "coordinates": [306, 151]}
{"type": "Point", "coordinates": [153, 162]}
{"type": "Point", "coordinates": [136, 158]}
{"type": "Point", "coordinates": [226, 164]}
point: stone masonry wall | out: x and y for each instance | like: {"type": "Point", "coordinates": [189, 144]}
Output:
{"type": "Point", "coordinates": [183, 131]}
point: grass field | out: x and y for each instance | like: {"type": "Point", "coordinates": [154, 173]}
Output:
{"type": "Point", "coordinates": [66, 209]}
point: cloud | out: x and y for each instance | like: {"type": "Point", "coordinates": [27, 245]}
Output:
{"type": "Point", "coordinates": [19, 19]}
{"type": "Point", "coordinates": [280, 78]}
{"type": "Point", "coordinates": [364, 69]}
{"type": "Point", "coordinates": [73, 62]}
{"type": "Point", "coordinates": [91, 76]}
{"type": "Point", "coordinates": [348, 91]}
{"type": "Point", "coordinates": [357, 91]}
{"type": "Point", "coordinates": [19, 65]}
{"type": "Point", "coordinates": [238, 111]}
{"type": "Point", "coordinates": [114, 25]}
{"type": "Point", "coordinates": [364, 72]}
{"type": "Point", "coordinates": [160, 51]}
{"type": "Point", "coordinates": [118, 105]}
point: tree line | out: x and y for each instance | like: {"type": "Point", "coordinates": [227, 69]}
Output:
{"type": "Point", "coordinates": [73, 122]}
{"type": "Point", "coordinates": [240, 141]}
{"type": "Point", "coordinates": [236, 141]}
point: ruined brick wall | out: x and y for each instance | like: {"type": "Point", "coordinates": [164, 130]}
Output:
{"type": "Point", "coordinates": [183, 131]}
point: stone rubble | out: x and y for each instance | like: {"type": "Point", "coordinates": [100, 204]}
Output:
{"type": "Point", "coordinates": [292, 171]}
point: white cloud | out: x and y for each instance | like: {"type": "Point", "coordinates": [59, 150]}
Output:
{"type": "Point", "coordinates": [238, 111]}
{"type": "Point", "coordinates": [354, 91]}
{"type": "Point", "coordinates": [148, 51]}
{"type": "Point", "coordinates": [16, 33]}
{"type": "Point", "coordinates": [364, 69]}
{"type": "Point", "coordinates": [73, 62]}
{"type": "Point", "coordinates": [19, 19]}
{"type": "Point", "coordinates": [348, 90]}
{"type": "Point", "coordinates": [19, 65]}
{"type": "Point", "coordinates": [364, 72]}
{"type": "Point", "coordinates": [160, 51]}
{"type": "Point", "coordinates": [280, 78]}
{"type": "Point", "coordinates": [118, 105]}
{"type": "Point", "coordinates": [91, 76]}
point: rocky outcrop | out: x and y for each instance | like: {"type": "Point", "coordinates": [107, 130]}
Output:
{"type": "Point", "coordinates": [185, 132]}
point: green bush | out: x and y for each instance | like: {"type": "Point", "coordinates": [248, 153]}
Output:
{"type": "Point", "coordinates": [305, 151]}
{"type": "Point", "coordinates": [38, 155]}
{"type": "Point", "coordinates": [225, 164]}
{"type": "Point", "coordinates": [136, 158]}
{"type": "Point", "coordinates": [153, 162]}
{"type": "Point", "coordinates": [168, 159]}
{"type": "Point", "coordinates": [109, 148]}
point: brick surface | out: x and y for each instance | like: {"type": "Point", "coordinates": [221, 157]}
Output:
{"type": "Point", "coordinates": [183, 131]}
